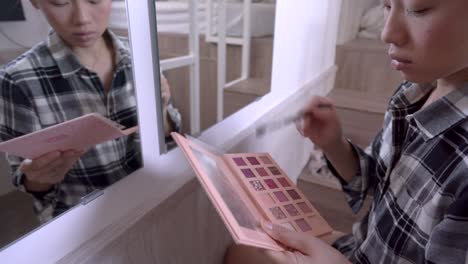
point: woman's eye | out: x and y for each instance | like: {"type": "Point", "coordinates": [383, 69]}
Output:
{"type": "Point", "coordinates": [59, 3]}
{"type": "Point", "coordinates": [418, 12]}
{"type": "Point", "coordinates": [94, 2]}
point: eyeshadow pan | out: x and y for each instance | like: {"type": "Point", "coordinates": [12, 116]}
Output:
{"type": "Point", "coordinates": [265, 160]}
{"type": "Point", "coordinates": [294, 194]}
{"type": "Point", "coordinates": [288, 226]}
{"type": "Point", "coordinates": [281, 196]}
{"type": "Point", "coordinates": [239, 161]}
{"type": "Point", "coordinates": [271, 184]}
{"type": "Point", "coordinates": [253, 160]}
{"type": "Point", "coordinates": [278, 213]}
{"type": "Point", "coordinates": [257, 185]}
{"type": "Point", "coordinates": [267, 199]}
{"type": "Point", "coordinates": [274, 170]}
{"type": "Point", "coordinates": [248, 173]}
{"type": "Point", "coordinates": [283, 182]}
{"type": "Point", "coordinates": [303, 225]}
{"type": "Point", "coordinates": [262, 172]}
{"type": "Point", "coordinates": [304, 207]}
{"type": "Point", "coordinates": [291, 210]}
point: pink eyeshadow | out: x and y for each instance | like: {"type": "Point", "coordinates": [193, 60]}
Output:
{"type": "Point", "coordinates": [257, 185]}
{"type": "Point", "coordinates": [283, 182]}
{"type": "Point", "coordinates": [304, 207]}
{"type": "Point", "coordinates": [291, 210]}
{"type": "Point", "coordinates": [280, 196]}
{"type": "Point", "coordinates": [265, 160]}
{"type": "Point", "coordinates": [274, 170]}
{"type": "Point", "coordinates": [277, 213]}
{"type": "Point", "coordinates": [262, 172]}
{"type": "Point", "coordinates": [253, 160]}
{"type": "Point", "coordinates": [267, 199]}
{"type": "Point", "coordinates": [248, 173]}
{"type": "Point", "coordinates": [294, 194]}
{"type": "Point", "coordinates": [271, 184]}
{"type": "Point", "coordinates": [239, 161]}
{"type": "Point", "coordinates": [303, 225]}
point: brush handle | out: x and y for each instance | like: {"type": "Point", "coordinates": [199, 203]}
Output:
{"type": "Point", "coordinates": [276, 125]}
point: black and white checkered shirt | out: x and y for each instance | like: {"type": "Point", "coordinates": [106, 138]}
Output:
{"type": "Point", "coordinates": [417, 171]}
{"type": "Point", "coordinates": [47, 85]}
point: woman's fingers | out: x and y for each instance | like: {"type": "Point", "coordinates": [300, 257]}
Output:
{"type": "Point", "coordinates": [294, 240]}
{"type": "Point", "coordinates": [41, 162]}
{"type": "Point", "coordinates": [50, 168]}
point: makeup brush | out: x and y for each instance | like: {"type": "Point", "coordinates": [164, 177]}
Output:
{"type": "Point", "coordinates": [279, 124]}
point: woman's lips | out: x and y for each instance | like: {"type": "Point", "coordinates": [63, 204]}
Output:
{"type": "Point", "coordinates": [399, 63]}
{"type": "Point", "coordinates": [84, 36]}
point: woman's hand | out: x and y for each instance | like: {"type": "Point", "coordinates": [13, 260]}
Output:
{"type": "Point", "coordinates": [303, 249]}
{"type": "Point", "coordinates": [320, 123]}
{"type": "Point", "coordinates": [49, 169]}
{"type": "Point", "coordinates": [306, 248]}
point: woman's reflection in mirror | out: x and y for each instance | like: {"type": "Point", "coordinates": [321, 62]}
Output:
{"type": "Point", "coordinates": [80, 68]}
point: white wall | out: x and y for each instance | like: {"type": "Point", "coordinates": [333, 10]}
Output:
{"type": "Point", "coordinates": [26, 33]}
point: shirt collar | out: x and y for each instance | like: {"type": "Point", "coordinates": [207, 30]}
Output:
{"type": "Point", "coordinates": [443, 114]}
{"type": "Point", "coordinates": [69, 64]}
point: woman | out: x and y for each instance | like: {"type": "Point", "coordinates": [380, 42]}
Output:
{"type": "Point", "coordinates": [81, 68]}
{"type": "Point", "coordinates": [416, 167]}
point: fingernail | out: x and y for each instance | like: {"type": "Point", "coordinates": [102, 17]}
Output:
{"type": "Point", "coordinates": [267, 225]}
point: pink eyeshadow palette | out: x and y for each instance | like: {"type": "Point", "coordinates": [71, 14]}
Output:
{"type": "Point", "coordinates": [271, 184]}
{"type": "Point", "coordinates": [284, 182]}
{"type": "Point", "coordinates": [261, 171]}
{"type": "Point", "coordinates": [248, 188]}
{"type": "Point", "coordinates": [248, 173]}
{"type": "Point", "coordinates": [253, 160]}
{"type": "Point", "coordinates": [239, 162]}
{"type": "Point", "coordinates": [266, 160]}
{"type": "Point", "coordinates": [274, 170]}
{"type": "Point", "coordinates": [272, 190]}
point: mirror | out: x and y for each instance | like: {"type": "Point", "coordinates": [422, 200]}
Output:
{"type": "Point", "coordinates": [214, 66]}
{"type": "Point", "coordinates": [56, 82]}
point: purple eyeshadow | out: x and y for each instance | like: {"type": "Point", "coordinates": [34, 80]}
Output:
{"type": "Point", "coordinates": [303, 225]}
{"type": "Point", "coordinates": [304, 207]}
{"type": "Point", "coordinates": [248, 173]}
{"type": "Point", "coordinates": [271, 184]}
{"type": "Point", "coordinates": [274, 170]}
{"type": "Point", "coordinates": [253, 160]}
{"type": "Point", "coordinates": [291, 210]}
{"type": "Point", "coordinates": [281, 196]}
{"type": "Point", "coordinates": [294, 194]}
{"type": "Point", "coordinates": [277, 213]}
{"type": "Point", "coordinates": [283, 182]}
{"type": "Point", "coordinates": [262, 172]}
{"type": "Point", "coordinates": [266, 160]}
{"type": "Point", "coordinates": [257, 185]}
{"type": "Point", "coordinates": [239, 161]}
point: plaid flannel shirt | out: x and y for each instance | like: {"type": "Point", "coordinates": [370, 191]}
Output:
{"type": "Point", "coordinates": [47, 85]}
{"type": "Point", "coordinates": [417, 171]}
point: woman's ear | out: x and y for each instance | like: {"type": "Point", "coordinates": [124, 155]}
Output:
{"type": "Point", "coordinates": [34, 3]}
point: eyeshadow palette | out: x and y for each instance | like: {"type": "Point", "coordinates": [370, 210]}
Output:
{"type": "Point", "coordinates": [247, 188]}
{"type": "Point", "coordinates": [274, 194]}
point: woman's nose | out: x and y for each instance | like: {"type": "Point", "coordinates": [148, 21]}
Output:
{"type": "Point", "coordinates": [81, 14]}
{"type": "Point", "coordinates": [394, 31]}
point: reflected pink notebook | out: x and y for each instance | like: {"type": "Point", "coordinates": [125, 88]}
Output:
{"type": "Point", "coordinates": [247, 188]}
{"type": "Point", "coordinates": [78, 134]}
